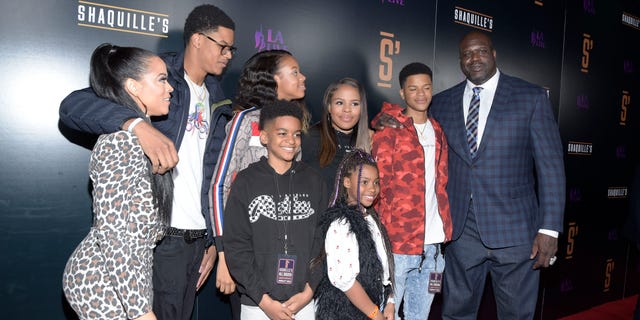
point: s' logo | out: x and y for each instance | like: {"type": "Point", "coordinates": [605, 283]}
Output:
{"type": "Point", "coordinates": [571, 239]}
{"type": "Point", "coordinates": [626, 100]}
{"type": "Point", "coordinates": [587, 45]}
{"type": "Point", "coordinates": [388, 48]}
{"type": "Point", "coordinates": [607, 274]}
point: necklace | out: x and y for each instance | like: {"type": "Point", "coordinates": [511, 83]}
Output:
{"type": "Point", "coordinates": [200, 90]}
{"type": "Point", "coordinates": [423, 125]}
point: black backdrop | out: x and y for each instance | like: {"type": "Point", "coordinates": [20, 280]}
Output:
{"type": "Point", "coordinates": [584, 52]}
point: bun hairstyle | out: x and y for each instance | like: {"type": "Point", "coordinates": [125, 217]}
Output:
{"type": "Point", "coordinates": [110, 67]}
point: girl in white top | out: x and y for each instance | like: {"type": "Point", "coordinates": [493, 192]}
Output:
{"type": "Point", "coordinates": [356, 283]}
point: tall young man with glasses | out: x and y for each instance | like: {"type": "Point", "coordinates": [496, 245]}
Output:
{"type": "Point", "coordinates": [196, 125]}
{"type": "Point", "coordinates": [224, 48]}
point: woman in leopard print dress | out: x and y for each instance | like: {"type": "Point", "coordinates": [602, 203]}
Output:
{"type": "Point", "coordinates": [108, 276]}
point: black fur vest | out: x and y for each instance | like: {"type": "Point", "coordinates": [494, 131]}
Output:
{"type": "Point", "coordinates": [332, 303]}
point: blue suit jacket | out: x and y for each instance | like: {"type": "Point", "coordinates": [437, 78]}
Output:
{"type": "Point", "coordinates": [517, 178]}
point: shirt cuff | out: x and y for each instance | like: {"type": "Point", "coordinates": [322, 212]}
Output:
{"type": "Point", "coordinates": [219, 244]}
{"type": "Point", "coordinates": [549, 232]}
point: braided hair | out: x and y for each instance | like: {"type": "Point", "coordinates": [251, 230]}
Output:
{"type": "Point", "coordinates": [352, 161]}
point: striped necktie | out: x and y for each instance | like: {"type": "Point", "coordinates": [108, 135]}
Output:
{"type": "Point", "coordinates": [472, 122]}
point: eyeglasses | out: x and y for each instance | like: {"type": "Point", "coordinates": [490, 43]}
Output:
{"type": "Point", "coordinates": [224, 49]}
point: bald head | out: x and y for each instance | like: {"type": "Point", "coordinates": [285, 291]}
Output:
{"type": "Point", "coordinates": [477, 57]}
{"type": "Point", "coordinates": [477, 35]}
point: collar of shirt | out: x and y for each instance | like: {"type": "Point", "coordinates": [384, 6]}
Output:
{"type": "Point", "coordinates": [488, 88]}
{"type": "Point", "coordinates": [486, 100]}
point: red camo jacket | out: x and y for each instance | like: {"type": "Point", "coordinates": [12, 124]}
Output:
{"type": "Point", "coordinates": [400, 160]}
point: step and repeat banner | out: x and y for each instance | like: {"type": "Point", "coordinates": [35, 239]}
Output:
{"type": "Point", "coordinates": [599, 126]}
{"type": "Point", "coordinates": [584, 53]}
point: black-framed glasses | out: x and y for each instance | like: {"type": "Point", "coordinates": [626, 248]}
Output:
{"type": "Point", "coordinates": [224, 49]}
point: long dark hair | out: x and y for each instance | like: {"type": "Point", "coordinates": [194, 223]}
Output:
{"type": "Point", "coordinates": [328, 139]}
{"type": "Point", "coordinates": [111, 66]}
{"type": "Point", "coordinates": [257, 86]}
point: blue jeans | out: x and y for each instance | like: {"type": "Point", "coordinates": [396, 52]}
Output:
{"type": "Point", "coordinates": [412, 285]}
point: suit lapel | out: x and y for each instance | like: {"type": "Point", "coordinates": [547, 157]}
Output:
{"type": "Point", "coordinates": [499, 106]}
{"type": "Point", "coordinates": [459, 127]}
{"type": "Point", "coordinates": [451, 117]}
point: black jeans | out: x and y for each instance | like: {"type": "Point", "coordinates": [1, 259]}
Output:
{"type": "Point", "coordinates": [175, 275]}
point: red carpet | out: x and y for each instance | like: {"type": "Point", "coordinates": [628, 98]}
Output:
{"type": "Point", "coordinates": [615, 310]}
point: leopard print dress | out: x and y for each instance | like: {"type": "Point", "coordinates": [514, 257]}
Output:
{"type": "Point", "coordinates": [108, 276]}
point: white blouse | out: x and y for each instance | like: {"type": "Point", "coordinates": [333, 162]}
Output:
{"type": "Point", "coordinates": [341, 246]}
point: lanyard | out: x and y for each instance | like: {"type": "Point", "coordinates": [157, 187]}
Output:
{"type": "Point", "coordinates": [285, 220]}
{"type": "Point", "coordinates": [435, 258]}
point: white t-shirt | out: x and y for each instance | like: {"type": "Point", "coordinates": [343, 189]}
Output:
{"type": "Point", "coordinates": [187, 175]}
{"type": "Point", "coordinates": [433, 227]}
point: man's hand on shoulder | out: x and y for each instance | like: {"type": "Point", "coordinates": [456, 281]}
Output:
{"type": "Point", "coordinates": [384, 120]}
{"type": "Point", "coordinates": [158, 148]}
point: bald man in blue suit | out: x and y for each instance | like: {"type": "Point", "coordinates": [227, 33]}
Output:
{"type": "Point", "coordinates": [506, 185]}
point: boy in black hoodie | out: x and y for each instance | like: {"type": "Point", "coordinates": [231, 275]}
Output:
{"type": "Point", "coordinates": [269, 251]}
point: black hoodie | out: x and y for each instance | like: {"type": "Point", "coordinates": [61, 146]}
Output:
{"type": "Point", "coordinates": [255, 233]}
